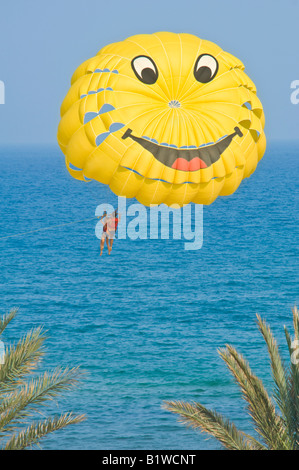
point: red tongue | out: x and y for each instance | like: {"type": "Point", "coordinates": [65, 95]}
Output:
{"type": "Point", "coordinates": [194, 164]}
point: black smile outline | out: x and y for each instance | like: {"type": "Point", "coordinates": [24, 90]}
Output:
{"type": "Point", "coordinates": [168, 155]}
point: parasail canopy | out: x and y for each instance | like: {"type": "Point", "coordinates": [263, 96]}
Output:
{"type": "Point", "coordinates": [165, 118]}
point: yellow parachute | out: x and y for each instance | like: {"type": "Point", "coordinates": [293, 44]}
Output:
{"type": "Point", "coordinates": [165, 118]}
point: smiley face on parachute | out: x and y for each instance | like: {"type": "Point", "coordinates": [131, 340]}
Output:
{"type": "Point", "coordinates": [164, 118]}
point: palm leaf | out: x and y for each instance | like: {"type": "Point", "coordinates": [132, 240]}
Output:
{"type": "Point", "coordinates": [293, 381]}
{"type": "Point", "coordinates": [197, 416]}
{"type": "Point", "coordinates": [268, 423]}
{"type": "Point", "coordinates": [25, 400]}
{"type": "Point", "coordinates": [21, 397]}
{"type": "Point", "coordinates": [280, 377]}
{"type": "Point", "coordinates": [21, 359]}
{"type": "Point", "coordinates": [278, 431]}
{"type": "Point", "coordinates": [6, 319]}
{"type": "Point", "coordinates": [36, 431]}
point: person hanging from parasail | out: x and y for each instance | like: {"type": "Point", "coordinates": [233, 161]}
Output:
{"type": "Point", "coordinates": [112, 224]}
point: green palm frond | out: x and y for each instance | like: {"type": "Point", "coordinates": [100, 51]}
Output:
{"type": "Point", "coordinates": [6, 319]}
{"type": "Point", "coordinates": [36, 431]}
{"type": "Point", "coordinates": [25, 400]}
{"type": "Point", "coordinates": [21, 359]}
{"type": "Point", "coordinates": [22, 397]}
{"type": "Point", "coordinates": [280, 377]}
{"type": "Point", "coordinates": [293, 380]}
{"type": "Point", "coordinates": [279, 429]}
{"type": "Point", "coordinates": [199, 417]}
{"type": "Point", "coordinates": [268, 423]}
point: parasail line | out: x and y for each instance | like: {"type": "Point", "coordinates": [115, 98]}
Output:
{"type": "Point", "coordinates": [47, 228]}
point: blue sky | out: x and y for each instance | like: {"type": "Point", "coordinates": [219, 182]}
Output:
{"type": "Point", "coordinates": [43, 42]}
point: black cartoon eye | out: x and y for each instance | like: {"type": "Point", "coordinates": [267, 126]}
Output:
{"type": "Point", "coordinates": [145, 69]}
{"type": "Point", "coordinates": [205, 68]}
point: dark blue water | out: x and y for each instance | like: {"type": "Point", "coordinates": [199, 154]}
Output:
{"type": "Point", "coordinates": [146, 322]}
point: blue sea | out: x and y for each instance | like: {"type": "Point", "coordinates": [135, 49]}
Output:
{"type": "Point", "coordinates": [145, 323]}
